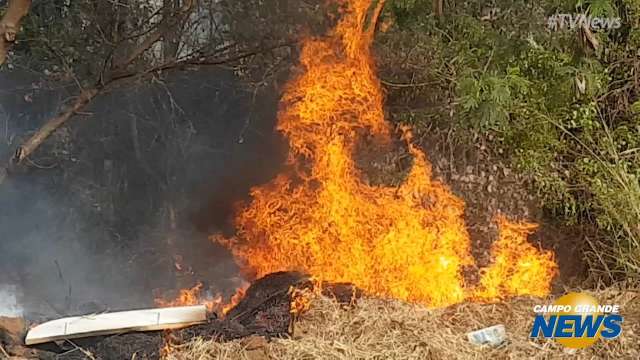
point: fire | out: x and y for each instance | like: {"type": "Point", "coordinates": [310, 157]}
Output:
{"type": "Point", "coordinates": [193, 296]}
{"type": "Point", "coordinates": [516, 264]}
{"type": "Point", "coordinates": [235, 299]}
{"type": "Point", "coordinates": [407, 242]}
{"type": "Point", "coordinates": [166, 350]}
{"type": "Point", "coordinates": [300, 300]}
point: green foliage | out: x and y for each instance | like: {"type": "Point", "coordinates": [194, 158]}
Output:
{"type": "Point", "coordinates": [410, 12]}
{"type": "Point", "coordinates": [553, 105]}
{"type": "Point", "coordinates": [602, 8]}
{"type": "Point", "coordinates": [492, 98]}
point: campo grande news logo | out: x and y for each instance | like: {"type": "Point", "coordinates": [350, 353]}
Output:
{"type": "Point", "coordinates": [577, 320]}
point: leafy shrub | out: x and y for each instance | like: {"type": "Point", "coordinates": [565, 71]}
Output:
{"type": "Point", "coordinates": [565, 114]}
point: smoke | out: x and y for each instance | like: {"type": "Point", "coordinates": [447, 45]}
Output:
{"type": "Point", "coordinates": [9, 305]}
{"type": "Point", "coordinates": [47, 249]}
{"type": "Point", "coordinates": [121, 202]}
{"type": "Point", "coordinates": [49, 259]}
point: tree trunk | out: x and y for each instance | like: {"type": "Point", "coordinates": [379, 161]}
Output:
{"type": "Point", "coordinates": [438, 7]}
{"type": "Point", "coordinates": [171, 41]}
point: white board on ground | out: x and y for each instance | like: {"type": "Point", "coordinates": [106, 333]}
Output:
{"type": "Point", "coordinates": [117, 323]}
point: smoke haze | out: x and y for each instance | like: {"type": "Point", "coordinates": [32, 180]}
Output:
{"type": "Point", "coordinates": [115, 203]}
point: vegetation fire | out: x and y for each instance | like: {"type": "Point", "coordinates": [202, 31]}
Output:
{"type": "Point", "coordinates": [407, 242]}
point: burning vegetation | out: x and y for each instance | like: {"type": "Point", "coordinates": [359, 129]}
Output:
{"type": "Point", "coordinates": [320, 217]}
{"type": "Point", "coordinates": [322, 229]}
{"type": "Point", "coordinates": [196, 296]}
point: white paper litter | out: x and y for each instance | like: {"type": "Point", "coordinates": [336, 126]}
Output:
{"type": "Point", "coordinates": [494, 336]}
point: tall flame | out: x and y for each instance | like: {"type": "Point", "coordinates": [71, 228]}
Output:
{"type": "Point", "coordinates": [407, 242]}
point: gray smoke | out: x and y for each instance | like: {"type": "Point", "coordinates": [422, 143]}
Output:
{"type": "Point", "coordinates": [105, 209]}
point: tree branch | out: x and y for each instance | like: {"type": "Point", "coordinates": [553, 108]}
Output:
{"type": "Point", "coordinates": [438, 7]}
{"type": "Point", "coordinates": [86, 96]}
{"type": "Point", "coordinates": [168, 23]}
{"type": "Point", "coordinates": [29, 146]}
{"type": "Point", "coordinates": [10, 24]}
{"type": "Point", "coordinates": [375, 16]}
{"type": "Point", "coordinates": [194, 61]}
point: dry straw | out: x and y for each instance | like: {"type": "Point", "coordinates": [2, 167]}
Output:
{"type": "Point", "coordinates": [381, 329]}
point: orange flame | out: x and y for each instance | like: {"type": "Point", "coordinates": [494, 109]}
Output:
{"type": "Point", "coordinates": [235, 299]}
{"type": "Point", "coordinates": [517, 265]}
{"type": "Point", "coordinates": [192, 296]}
{"type": "Point", "coordinates": [300, 300]}
{"type": "Point", "coordinates": [407, 242]}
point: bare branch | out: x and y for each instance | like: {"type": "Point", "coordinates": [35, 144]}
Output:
{"type": "Point", "coordinates": [194, 61]}
{"type": "Point", "coordinates": [87, 95]}
{"type": "Point", "coordinates": [10, 24]}
{"type": "Point", "coordinates": [438, 7]}
{"type": "Point", "coordinates": [54, 123]}
{"type": "Point", "coordinates": [375, 16]}
{"type": "Point", "coordinates": [168, 23]}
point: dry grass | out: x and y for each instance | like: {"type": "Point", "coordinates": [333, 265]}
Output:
{"type": "Point", "coordinates": [379, 329]}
